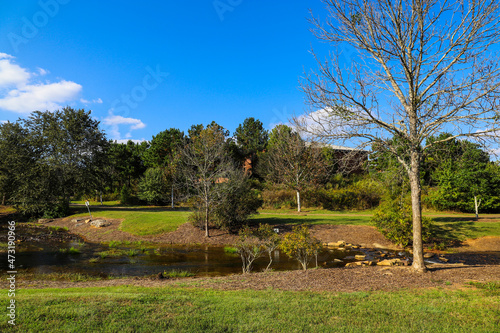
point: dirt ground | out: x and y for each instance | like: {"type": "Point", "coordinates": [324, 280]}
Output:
{"type": "Point", "coordinates": [475, 260]}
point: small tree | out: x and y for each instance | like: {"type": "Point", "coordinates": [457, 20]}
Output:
{"type": "Point", "coordinates": [204, 167]}
{"type": "Point", "coordinates": [237, 201]}
{"type": "Point", "coordinates": [290, 161]}
{"type": "Point", "coordinates": [270, 240]}
{"type": "Point", "coordinates": [249, 248]}
{"type": "Point", "coordinates": [300, 245]}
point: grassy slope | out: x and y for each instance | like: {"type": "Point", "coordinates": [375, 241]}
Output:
{"type": "Point", "coordinates": [142, 220]}
{"type": "Point", "coordinates": [170, 309]}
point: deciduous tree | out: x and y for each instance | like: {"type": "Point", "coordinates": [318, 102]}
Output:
{"type": "Point", "coordinates": [418, 68]}
{"type": "Point", "coordinates": [204, 166]}
{"type": "Point", "coordinates": [292, 162]}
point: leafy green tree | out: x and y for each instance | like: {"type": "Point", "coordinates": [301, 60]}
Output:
{"type": "Point", "coordinates": [163, 153]}
{"type": "Point", "coordinates": [126, 163]}
{"type": "Point", "coordinates": [466, 180]}
{"type": "Point", "coordinates": [163, 149]}
{"type": "Point", "coordinates": [251, 136]}
{"type": "Point", "coordinates": [300, 245]}
{"type": "Point", "coordinates": [251, 139]}
{"type": "Point", "coordinates": [63, 153]}
{"type": "Point", "coordinates": [152, 187]}
{"type": "Point", "coordinates": [15, 155]}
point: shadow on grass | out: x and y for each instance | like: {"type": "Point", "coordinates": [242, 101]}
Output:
{"type": "Point", "coordinates": [82, 209]}
{"type": "Point", "coordinates": [452, 233]}
{"type": "Point", "coordinates": [273, 220]}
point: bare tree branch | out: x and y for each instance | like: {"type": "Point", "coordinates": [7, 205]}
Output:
{"type": "Point", "coordinates": [421, 67]}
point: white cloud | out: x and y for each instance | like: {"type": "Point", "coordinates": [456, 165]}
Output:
{"type": "Point", "coordinates": [114, 121]}
{"type": "Point", "coordinates": [11, 75]}
{"type": "Point", "coordinates": [20, 93]}
{"type": "Point", "coordinates": [40, 97]}
{"type": "Point", "coordinates": [42, 71]}
{"type": "Point", "coordinates": [94, 101]}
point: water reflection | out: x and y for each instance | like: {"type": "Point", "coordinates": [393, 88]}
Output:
{"type": "Point", "coordinates": [130, 261]}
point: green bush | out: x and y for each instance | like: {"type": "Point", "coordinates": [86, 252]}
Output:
{"type": "Point", "coordinates": [238, 201]}
{"type": "Point", "coordinates": [395, 221]}
{"type": "Point", "coordinates": [56, 210]}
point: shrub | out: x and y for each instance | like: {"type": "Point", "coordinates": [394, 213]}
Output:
{"type": "Point", "coordinates": [270, 240]}
{"type": "Point", "coordinates": [395, 221]}
{"type": "Point", "coordinates": [300, 245]}
{"type": "Point", "coordinates": [238, 201]}
{"type": "Point", "coordinates": [197, 219]}
{"type": "Point", "coordinates": [56, 210]}
{"type": "Point", "coordinates": [249, 248]}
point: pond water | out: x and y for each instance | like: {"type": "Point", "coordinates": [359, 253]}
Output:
{"type": "Point", "coordinates": [139, 259]}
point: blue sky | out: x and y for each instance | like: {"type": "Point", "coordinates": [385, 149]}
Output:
{"type": "Point", "coordinates": [143, 67]}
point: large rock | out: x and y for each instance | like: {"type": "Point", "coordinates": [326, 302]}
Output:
{"type": "Point", "coordinates": [99, 223]}
{"type": "Point", "coordinates": [389, 262]}
{"type": "Point", "coordinates": [42, 221]}
{"type": "Point", "coordinates": [359, 257]}
{"type": "Point", "coordinates": [337, 244]}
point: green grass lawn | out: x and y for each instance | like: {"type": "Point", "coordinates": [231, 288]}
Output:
{"type": "Point", "coordinates": [141, 221]}
{"type": "Point", "coordinates": [175, 309]}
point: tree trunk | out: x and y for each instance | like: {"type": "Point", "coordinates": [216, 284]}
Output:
{"type": "Point", "coordinates": [298, 201]}
{"type": "Point", "coordinates": [3, 199]}
{"type": "Point", "coordinates": [476, 205]}
{"type": "Point", "coordinates": [416, 205]}
{"type": "Point", "coordinates": [172, 196]}
{"type": "Point", "coordinates": [206, 221]}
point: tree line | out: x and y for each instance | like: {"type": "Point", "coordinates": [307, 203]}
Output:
{"type": "Point", "coordinates": [50, 158]}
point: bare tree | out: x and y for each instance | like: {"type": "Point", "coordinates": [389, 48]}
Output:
{"type": "Point", "coordinates": [293, 162]}
{"type": "Point", "coordinates": [420, 67]}
{"type": "Point", "coordinates": [204, 166]}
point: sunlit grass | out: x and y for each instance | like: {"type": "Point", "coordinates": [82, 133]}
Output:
{"type": "Point", "coordinates": [143, 221]}
{"type": "Point", "coordinates": [176, 309]}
